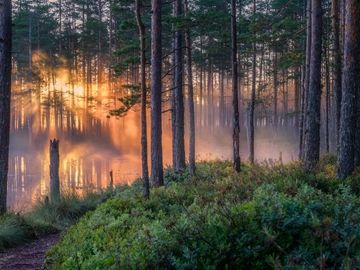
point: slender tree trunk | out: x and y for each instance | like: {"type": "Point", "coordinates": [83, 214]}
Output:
{"type": "Point", "coordinates": [275, 120]}
{"type": "Point", "coordinates": [5, 96]}
{"type": "Point", "coordinates": [178, 94]}
{"type": "Point", "coordinates": [201, 90]}
{"type": "Point", "coordinates": [157, 174]}
{"type": "Point", "coordinates": [235, 92]}
{"type": "Point", "coordinates": [303, 128]}
{"type": "Point", "coordinates": [253, 97]}
{"type": "Point", "coordinates": [297, 98]}
{"type": "Point", "coordinates": [54, 171]}
{"type": "Point", "coordinates": [337, 65]}
{"type": "Point", "coordinates": [312, 140]}
{"type": "Point", "coordinates": [192, 137]}
{"type": "Point", "coordinates": [30, 44]}
{"type": "Point", "coordinates": [350, 89]}
{"type": "Point", "coordinates": [222, 99]}
{"type": "Point", "coordinates": [144, 158]}
{"type": "Point", "coordinates": [327, 98]}
{"type": "Point", "coordinates": [110, 49]}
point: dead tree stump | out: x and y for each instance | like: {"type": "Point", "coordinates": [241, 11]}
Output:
{"type": "Point", "coordinates": [111, 182]}
{"type": "Point", "coordinates": [54, 171]}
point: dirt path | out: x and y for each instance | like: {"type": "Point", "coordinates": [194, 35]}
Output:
{"type": "Point", "coordinates": [27, 257]}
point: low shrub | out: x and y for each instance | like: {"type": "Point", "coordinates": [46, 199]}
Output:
{"type": "Point", "coordinates": [268, 216]}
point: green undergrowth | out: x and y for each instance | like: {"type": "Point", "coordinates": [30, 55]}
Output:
{"type": "Point", "coordinates": [46, 218]}
{"type": "Point", "coordinates": [270, 216]}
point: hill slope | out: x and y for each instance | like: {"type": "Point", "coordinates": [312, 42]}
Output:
{"type": "Point", "coordinates": [269, 216]}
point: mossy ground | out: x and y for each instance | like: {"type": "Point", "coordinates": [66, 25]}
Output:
{"type": "Point", "coordinates": [268, 216]}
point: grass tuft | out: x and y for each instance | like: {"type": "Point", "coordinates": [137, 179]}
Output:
{"type": "Point", "coordinates": [46, 218]}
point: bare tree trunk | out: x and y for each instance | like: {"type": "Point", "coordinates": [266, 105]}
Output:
{"type": "Point", "coordinates": [110, 49]}
{"type": "Point", "coordinates": [144, 158]}
{"type": "Point", "coordinates": [54, 171]}
{"type": "Point", "coordinates": [178, 94]}
{"type": "Point", "coordinates": [222, 99]}
{"type": "Point", "coordinates": [192, 137]}
{"type": "Point", "coordinates": [312, 139]}
{"type": "Point", "coordinates": [201, 87]}
{"type": "Point", "coordinates": [235, 91]}
{"type": "Point", "coordinates": [275, 120]}
{"type": "Point", "coordinates": [297, 98]}
{"type": "Point", "coordinates": [5, 96]}
{"type": "Point", "coordinates": [350, 89]}
{"type": "Point", "coordinates": [327, 97]}
{"type": "Point", "coordinates": [253, 97]}
{"type": "Point", "coordinates": [303, 131]}
{"type": "Point", "coordinates": [337, 65]}
{"type": "Point", "coordinates": [157, 173]}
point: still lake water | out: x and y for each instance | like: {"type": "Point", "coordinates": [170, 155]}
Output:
{"type": "Point", "coordinates": [92, 144]}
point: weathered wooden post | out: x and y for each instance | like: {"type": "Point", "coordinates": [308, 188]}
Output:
{"type": "Point", "coordinates": [54, 171]}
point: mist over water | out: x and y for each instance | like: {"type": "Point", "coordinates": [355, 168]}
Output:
{"type": "Point", "coordinates": [93, 144]}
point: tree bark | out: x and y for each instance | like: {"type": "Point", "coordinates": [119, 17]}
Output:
{"type": "Point", "coordinates": [157, 174]}
{"type": "Point", "coordinates": [178, 94]}
{"type": "Point", "coordinates": [303, 128]}
{"type": "Point", "coordinates": [312, 140]}
{"type": "Point", "coordinates": [275, 78]}
{"type": "Point", "coordinates": [327, 97]}
{"type": "Point", "coordinates": [350, 89]}
{"type": "Point", "coordinates": [235, 92]}
{"type": "Point", "coordinates": [144, 158]}
{"type": "Point", "coordinates": [54, 171]}
{"type": "Point", "coordinates": [5, 96]}
{"type": "Point", "coordinates": [337, 65]}
{"type": "Point", "coordinates": [222, 99]}
{"type": "Point", "coordinates": [253, 97]}
{"type": "Point", "coordinates": [188, 44]}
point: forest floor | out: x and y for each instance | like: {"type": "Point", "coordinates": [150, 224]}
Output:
{"type": "Point", "coordinates": [30, 256]}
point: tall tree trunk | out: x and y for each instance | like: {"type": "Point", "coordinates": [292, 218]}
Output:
{"type": "Point", "coordinates": [327, 97]}
{"type": "Point", "coordinates": [222, 99]}
{"type": "Point", "coordinates": [178, 94]}
{"type": "Point", "coordinates": [275, 120]}
{"type": "Point", "coordinates": [5, 96]}
{"type": "Point", "coordinates": [297, 98]}
{"type": "Point", "coordinates": [201, 90]}
{"type": "Point", "coordinates": [312, 139]}
{"type": "Point", "coordinates": [350, 89]}
{"type": "Point", "coordinates": [253, 97]}
{"type": "Point", "coordinates": [157, 174]}
{"type": "Point", "coordinates": [110, 49]}
{"type": "Point", "coordinates": [303, 131]}
{"type": "Point", "coordinates": [235, 92]}
{"type": "Point", "coordinates": [337, 65]}
{"type": "Point", "coordinates": [192, 137]}
{"type": "Point", "coordinates": [144, 158]}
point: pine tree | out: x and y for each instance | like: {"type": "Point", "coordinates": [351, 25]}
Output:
{"type": "Point", "coordinates": [144, 158]}
{"type": "Point", "coordinates": [235, 91]}
{"type": "Point", "coordinates": [157, 174]}
{"type": "Point", "coordinates": [5, 96]}
{"type": "Point", "coordinates": [312, 138]}
{"type": "Point", "coordinates": [350, 89]}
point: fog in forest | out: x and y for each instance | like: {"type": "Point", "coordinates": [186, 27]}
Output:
{"type": "Point", "coordinates": [92, 143]}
